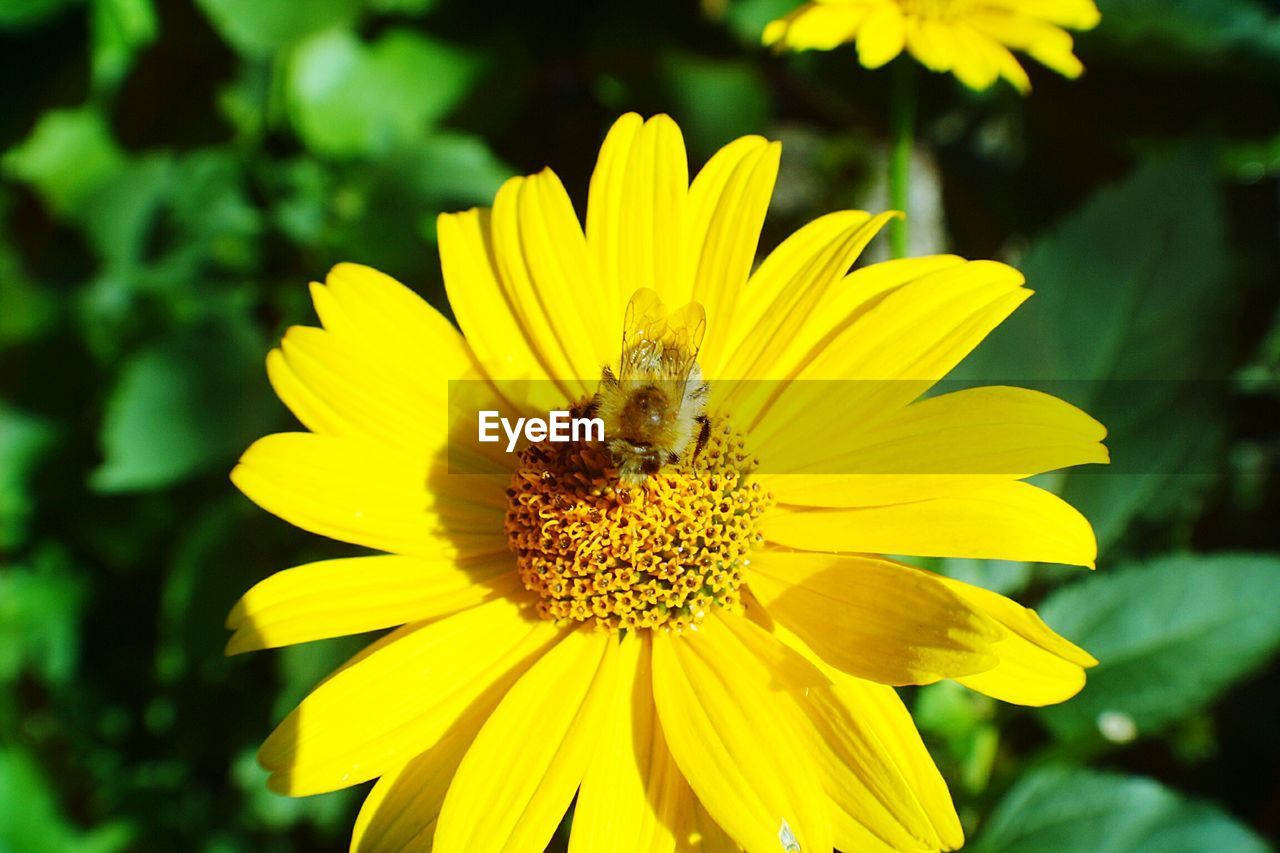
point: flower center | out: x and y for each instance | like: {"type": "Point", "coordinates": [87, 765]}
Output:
{"type": "Point", "coordinates": [656, 555]}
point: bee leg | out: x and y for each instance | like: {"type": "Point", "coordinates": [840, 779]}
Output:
{"type": "Point", "coordinates": [703, 434]}
{"type": "Point", "coordinates": [673, 458]}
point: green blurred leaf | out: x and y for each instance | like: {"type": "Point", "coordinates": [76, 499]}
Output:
{"type": "Point", "coordinates": [68, 155]}
{"type": "Point", "coordinates": [25, 309]}
{"type": "Point", "coordinates": [1169, 637]}
{"type": "Point", "coordinates": [962, 719]}
{"type": "Point", "coordinates": [40, 608]}
{"type": "Point", "coordinates": [328, 811]}
{"type": "Point", "coordinates": [125, 206]}
{"type": "Point", "coordinates": [24, 442]}
{"type": "Point", "coordinates": [1073, 809]}
{"type": "Point", "coordinates": [403, 7]}
{"type": "Point", "coordinates": [1002, 576]}
{"type": "Point", "coordinates": [715, 99]}
{"type": "Point", "coordinates": [213, 218]}
{"type": "Point", "coordinates": [1129, 309]}
{"type": "Point", "coordinates": [31, 820]}
{"type": "Point", "coordinates": [121, 28]}
{"type": "Point", "coordinates": [456, 168]}
{"type": "Point", "coordinates": [24, 13]}
{"type": "Point", "coordinates": [1168, 30]}
{"type": "Point", "coordinates": [385, 208]}
{"type": "Point", "coordinates": [347, 98]}
{"type": "Point", "coordinates": [747, 18]}
{"type": "Point", "coordinates": [259, 27]}
{"type": "Point", "coordinates": [183, 406]}
{"type": "Point", "coordinates": [1251, 161]}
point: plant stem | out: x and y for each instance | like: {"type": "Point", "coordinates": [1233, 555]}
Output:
{"type": "Point", "coordinates": [902, 117]}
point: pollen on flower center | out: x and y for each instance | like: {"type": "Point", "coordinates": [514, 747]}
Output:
{"type": "Point", "coordinates": [657, 555]}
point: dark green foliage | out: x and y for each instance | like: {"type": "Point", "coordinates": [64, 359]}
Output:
{"type": "Point", "coordinates": [176, 172]}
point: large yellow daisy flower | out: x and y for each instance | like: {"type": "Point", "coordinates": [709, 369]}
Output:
{"type": "Point", "coordinates": [970, 38]}
{"type": "Point", "coordinates": [705, 659]}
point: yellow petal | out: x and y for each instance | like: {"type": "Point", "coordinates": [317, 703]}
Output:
{"type": "Point", "coordinates": [399, 701]}
{"type": "Point", "coordinates": [816, 26]}
{"type": "Point", "coordinates": [549, 280]}
{"type": "Point", "coordinates": [739, 747]}
{"type": "Point", "coordinates": [884, 787]}
{"type": "Point", "coordinates": [931, 42]}
{"type": "Point", "coordinates": [381, 400]}
{"type": "Point", "coordinates": [632, 795]}
{"type": "Point", "coordinates": [1043, 41]}
{"type": "Point", "coordinates": [727, 205]}
{"type": "Point", "coordinates": [1009, 521]}
{"type": "Point", "coordinates": [1076, 14]}
{"type": "Point", "coordinates": [334, 598]}
{"type": "Point", "coordinates": [881, 36]}
{"type": "Point", "coordinates": [476, 297]}
{"type": "Point", "coordinates": [909, 332]}
{"type": "Point", "coordinates": [380, 315]}
{"type": "Point", "coordinates": [520, 774]}
{"type": "Point", "coordinates": [872, 618]}
{"type": "Point", "coordinates": [636, 209]}
{"type": "Point", "coordinates": [1037, 666]}
{"type": "Point", "coordinates": [945, 445]}
{"type": "Point", "coordinates": [973, 65]}
{"type": "Point", "coordinates": [307, 406]}
{"type": "Point", "coordinates": [891, 351]}
{"type": "Point", "coordinates": [792, 300]}
{"type": "Point", "coordinates": [698, 833]}
{"type": "Point", "coordinates": [400, 812]}
{"type": "Point", "coordinates": [368, 495]}
{"type": "Point", "coordinates": [1010, 68]}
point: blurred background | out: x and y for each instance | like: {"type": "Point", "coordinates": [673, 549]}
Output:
{"type": "Point", "coordinates": [176, 171]}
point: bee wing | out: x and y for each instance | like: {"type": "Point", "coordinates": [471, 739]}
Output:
{"type": "Point", "coordinates": [645, 320]}
{"type": "Point", "coordinates": [658, 345]}
{"type": "Point", "coordinates": [683, 340]}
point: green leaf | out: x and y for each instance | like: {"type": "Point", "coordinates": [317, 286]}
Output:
{"type": "Point", "coordinates": [68, 155]}
{"type": "Point", "coordinates": [328, 811]}
{"type": "Point", "coordinates": [125, 206]}
{"type": "Point", "coordinates": [403, 7]}
{"type": "Point", "coordinates": [1126, 323]}
{"type": "Point", "coordinates": [40, 607]}
{"type": "Point", "coordinates": [183, 406]}
{"type": "Point", "coordinates": [347, 98]}
{"type": "Point", "coordinates": [747, 18]}
{"type": "Point", "coordinates": [716, 99]}
{"type": "Point", "coordinates": [121, 28]}
{"type": "Point", "coordinates": [456, 168]}
{"type": "Point", "coordinates": [24, 443]}
{"type": "Point", "coordinates": [1073, 809]}
{"type": "Point", "coordinates": [15, 14]}
{"type": "Point", "coordinates": [384, 208]}
{"type": "Point", "coordinates": [259, 27]}
{"type": "Point", "coordinates": [1170, 30]}
{"type": "Point", "coordinates": [31, 820]}
{"type": "Point", "coordinates": [1169, 637]}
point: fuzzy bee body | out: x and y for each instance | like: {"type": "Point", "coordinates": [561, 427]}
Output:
{"type": "Point", "coordinates": [653, 408]}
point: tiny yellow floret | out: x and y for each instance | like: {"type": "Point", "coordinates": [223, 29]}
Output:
{"type": "Point", "coordinates": [658, 555]}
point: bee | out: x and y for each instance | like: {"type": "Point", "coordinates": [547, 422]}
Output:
{"type": "Point", "coordinates": [654, 407]}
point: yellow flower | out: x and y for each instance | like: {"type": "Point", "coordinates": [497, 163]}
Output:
{"type": "Point", "coordinates": [704, 659]}
{"type": "Point", "coordinates": [970, 38]}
